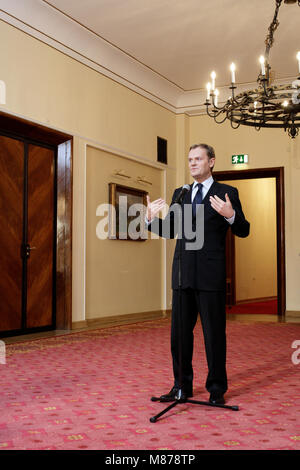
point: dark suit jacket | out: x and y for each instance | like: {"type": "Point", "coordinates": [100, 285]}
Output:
{"type": "Point", "coordinates": [205, 269]}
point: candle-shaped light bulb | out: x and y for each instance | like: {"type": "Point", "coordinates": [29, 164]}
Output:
{"type": "Point", "coordinates": [208, 88]}
{"type": "Point", "coordinates": [262, 63]}
{"type": "Point", "coordinates": [232, 68]}
{"type": "Point", "coordinates": [216, 97]}
{"type": "Point", "coordinates": [255, 106]}
{"type": "Point", "coordinates": [285, 103]}
{"type": "Point", "coordinates": [298, 58]}
{"type": "Point", "coordinates": [213, 80]}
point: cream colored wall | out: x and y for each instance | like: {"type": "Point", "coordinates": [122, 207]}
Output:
{"type": "Point", "coordinates": [122, 276]}
{"type": "Point", "coordinates": [266, 148]}
{"type": "Point", "coordinates": [47, 87]}
{"type": "Point", "coordinates": [256, 255]}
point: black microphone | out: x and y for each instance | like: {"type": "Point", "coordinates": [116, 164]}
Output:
{"type": "Point", "coordinates": [185, 188]}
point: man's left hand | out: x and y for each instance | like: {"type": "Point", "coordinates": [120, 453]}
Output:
{"type": "Point", "coordinates": [224, 208]}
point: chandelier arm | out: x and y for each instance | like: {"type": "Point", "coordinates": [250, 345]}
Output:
{"type": "Point", "coordinates": [217, 112]}
{"type": "Point", "coordinates": [217, 108]}
{"type": "Point", "coordinates": [234, 127]}
{"type": "Point", "coordinates": [210, 114]}
{"type": "Point", "coordinates": [220, 122]}
{"type": "Point", "coordinates": [257, 124]}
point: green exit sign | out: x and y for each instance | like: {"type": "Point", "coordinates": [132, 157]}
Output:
{"type": "Point", "coordinates": [243, 158]}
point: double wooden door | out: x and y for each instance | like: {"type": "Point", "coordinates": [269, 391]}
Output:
{"type": "Point", "coordinates": [27, 235]}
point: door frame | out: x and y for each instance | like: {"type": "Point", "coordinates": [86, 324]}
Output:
{"type": "Point", "coordinates": [278, 174]}
{"type": "Point", "coordinates": [63, 143]}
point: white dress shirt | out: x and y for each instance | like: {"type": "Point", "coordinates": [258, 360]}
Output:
{"type": "Point", "coordinates": [205, 188]}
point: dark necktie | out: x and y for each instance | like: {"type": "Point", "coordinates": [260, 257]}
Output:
{"type": "Point", "coordinates": [198, 198]}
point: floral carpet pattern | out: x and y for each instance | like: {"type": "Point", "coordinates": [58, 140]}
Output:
{"type": "Point", "coordinates": [92, 390]}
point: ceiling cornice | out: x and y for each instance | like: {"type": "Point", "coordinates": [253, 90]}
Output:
{"type": "Point", "coordinates": [51, 26]}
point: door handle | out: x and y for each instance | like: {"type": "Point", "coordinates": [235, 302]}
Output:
{"type": "Point", "coordinates": [26, 249]}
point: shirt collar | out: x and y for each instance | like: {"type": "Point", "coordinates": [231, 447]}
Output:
{"type": "Point", "coordinates": [206, 183]}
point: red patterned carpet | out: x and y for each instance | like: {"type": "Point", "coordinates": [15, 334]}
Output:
{"type": "Point", "coordinates": [268, 307]}
{"type": "Point", "coordinates": [91, 390]}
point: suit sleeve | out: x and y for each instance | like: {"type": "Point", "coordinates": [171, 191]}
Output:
{"type": "Point", "coordinates": [167, 227]}
{"type": "Point", "coordinates": [240, 226]}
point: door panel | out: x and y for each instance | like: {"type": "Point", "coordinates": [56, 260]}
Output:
{"type": "Point", "coordinates": [40, 236]}
{"type": "Point", "coordinates": [11, 228]}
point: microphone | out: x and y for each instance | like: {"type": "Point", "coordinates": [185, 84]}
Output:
{"type": "Point", "coordinates": [185, 188]}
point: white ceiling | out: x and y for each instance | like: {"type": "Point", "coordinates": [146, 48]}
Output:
{"type": "Point", "coordinates": [183, 40]}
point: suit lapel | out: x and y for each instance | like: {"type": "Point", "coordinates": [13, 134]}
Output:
{"type": "Point", "coordinates": [212, 188]}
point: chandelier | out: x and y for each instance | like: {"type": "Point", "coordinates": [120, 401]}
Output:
{"type": "Point", "coordinates": [268, 105]}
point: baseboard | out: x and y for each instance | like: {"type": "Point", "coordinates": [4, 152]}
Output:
{"type": "Point", "coordinates": [259, 299]}
{"type": "Point", "coordinates": [292, 313]}
{"type": "Point", "coordinates": [79, 324]}
{"type": "Point", "coordinates": [117, 320]}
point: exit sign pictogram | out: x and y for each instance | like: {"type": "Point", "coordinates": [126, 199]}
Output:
{"type": "Point", "coordinates": [242, 158]}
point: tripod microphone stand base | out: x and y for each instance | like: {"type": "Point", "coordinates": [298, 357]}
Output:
{"type": "Point", "coordinates": [179, 400]}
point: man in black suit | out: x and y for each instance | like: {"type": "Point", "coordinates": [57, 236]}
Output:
{"type": "Point", "coordinates": [203, 275]}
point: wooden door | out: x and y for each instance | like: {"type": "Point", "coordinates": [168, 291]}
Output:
{"type": "Point", "coordinates": [27, 236]}
{"type": "Point", "coordinates": [11, 232]}
{"type": "Point", "coordinates": [40, 236]}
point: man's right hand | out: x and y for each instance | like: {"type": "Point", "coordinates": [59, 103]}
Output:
{"type": "Point", "coordinates": [154, 207]}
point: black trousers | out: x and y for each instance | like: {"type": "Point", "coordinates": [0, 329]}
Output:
{"type": "Point", "coordinates": [211, 306]}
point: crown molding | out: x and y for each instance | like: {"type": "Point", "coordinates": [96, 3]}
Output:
{"type": "Point", "coordinates": [52, 27]}
{"type": "Point", "coordinates": [47, 24]}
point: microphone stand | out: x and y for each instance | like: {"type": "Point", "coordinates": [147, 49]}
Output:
{"type": "Point", "coordinates": [180, 397]}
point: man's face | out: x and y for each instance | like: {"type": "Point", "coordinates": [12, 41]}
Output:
{"type": "Point", "coordinates": [199, 164]}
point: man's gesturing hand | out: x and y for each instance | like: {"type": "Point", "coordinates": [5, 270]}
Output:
{"type": "Point", "coordinates": [154, 207]}
{"type": "Point", "coordinates": [222, 207]}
